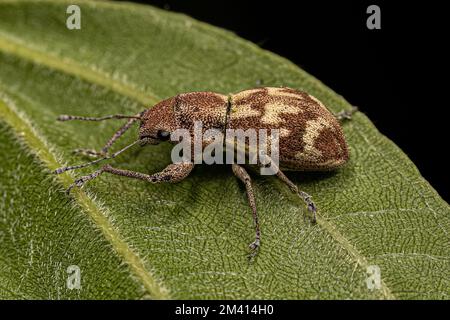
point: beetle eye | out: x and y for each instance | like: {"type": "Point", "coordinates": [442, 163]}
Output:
{"type": "Point", "coordinates": [163, 135]}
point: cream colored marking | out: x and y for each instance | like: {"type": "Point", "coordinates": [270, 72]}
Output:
{"type": "Point", "coordinates": [312, 132]}
{"type": "Point", "coordinates": [272, 111]}
{"type": "Point", "coordinates": [284, 132]}
{"type": "Point", "coordinates": [243, 111]}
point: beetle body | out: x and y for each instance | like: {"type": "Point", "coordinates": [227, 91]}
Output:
{"type": "Point", "coordinates": [311, 138]}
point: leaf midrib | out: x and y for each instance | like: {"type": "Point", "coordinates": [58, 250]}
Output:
{"type": "Point", "coordinates": [73, 68]}
{"type": "Point", "coordinates": [99, 215]}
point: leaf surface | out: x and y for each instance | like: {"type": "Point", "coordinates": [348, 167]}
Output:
{"type": "Point", "coordinates": [188, 240]}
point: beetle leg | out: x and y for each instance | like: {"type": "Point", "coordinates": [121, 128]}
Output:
{"type": "Point", "coordinates": [306, 197]}
{"type": "Point", "coordinates": [242, 174]}
{"type": "Point", "coordinates": [87, 164]}
{"type": "Point", "coordinates": [104, 151]}
{"type": "Point", "coordinates": [82, 180]}
{"type": "Point", "coordinates": [172, 173]}
{"type": "Point", "coordinates": [346, 114]}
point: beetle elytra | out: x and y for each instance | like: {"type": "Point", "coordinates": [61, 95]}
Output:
{"type": "Point", "coordinates": [310, 138]}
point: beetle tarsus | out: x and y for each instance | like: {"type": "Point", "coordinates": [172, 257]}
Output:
{"type": "Point", "coordinates": [254, 247]}
{"type": "Point", "coordinates": [82, 180]}
{"type": "Point", "coordinates": [312, 208]}
{"type": "Point", "coordinates": [305, 197]}
{"type": "Point", "coordinates": [310, 204]}
{"type": "Point", "coordinates": [70, 188]}
{"type": "Point", "coordinates": [77, 183]}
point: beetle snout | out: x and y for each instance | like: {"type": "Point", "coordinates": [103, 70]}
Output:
{"type": "Point", "coordinates": [146, 139]}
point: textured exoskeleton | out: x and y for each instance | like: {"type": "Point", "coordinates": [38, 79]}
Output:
{"type": "Point", "coordinates": [310, 136]}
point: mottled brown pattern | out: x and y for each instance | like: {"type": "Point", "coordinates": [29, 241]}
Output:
{"type": "Point", "coordinates": [300, 119]}
{"type": "Point", "coordinates": [333, 145]}
{"type": "Point", "coordinates": [208, 107]}
{"type": "Point", "coordinates": [310, 136]}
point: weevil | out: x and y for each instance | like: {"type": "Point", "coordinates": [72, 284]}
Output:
{"type": "Point", "coordinates": [311, 137]}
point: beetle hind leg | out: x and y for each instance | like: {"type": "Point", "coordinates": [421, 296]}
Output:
{"type": "Point", "coordinates": [303, 195]}
{"type": "Point", "coordinates": [306, 197]}
{"type": "Point", "coordinates": [242, 174]}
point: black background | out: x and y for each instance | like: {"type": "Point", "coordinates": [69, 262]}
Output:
{"type": "Point", "coordinates": [395, 75]}
{"type": "Point", "coordinates": [283, 309]}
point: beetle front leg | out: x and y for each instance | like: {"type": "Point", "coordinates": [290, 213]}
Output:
{"type": "Point", "coordinates": [172, 173]}
{"type": "Point", "coordinates": [104, 151]}
{"type": "Point", "coordinates": [242, 174]}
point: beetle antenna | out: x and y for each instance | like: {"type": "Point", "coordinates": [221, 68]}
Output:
{"type": "Point", "coordinates": [65, 117]}
{"type": "Point", "coordinates": [64, 169]}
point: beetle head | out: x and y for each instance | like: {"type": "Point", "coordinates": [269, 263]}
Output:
{"type": "Point", "coordinates": [182, 111]}
{"type": "Point", "coordinates": [157, 123]}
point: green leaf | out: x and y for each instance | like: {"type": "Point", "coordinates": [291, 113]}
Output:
{"type": "Point", "coordinates": [188, 240]}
